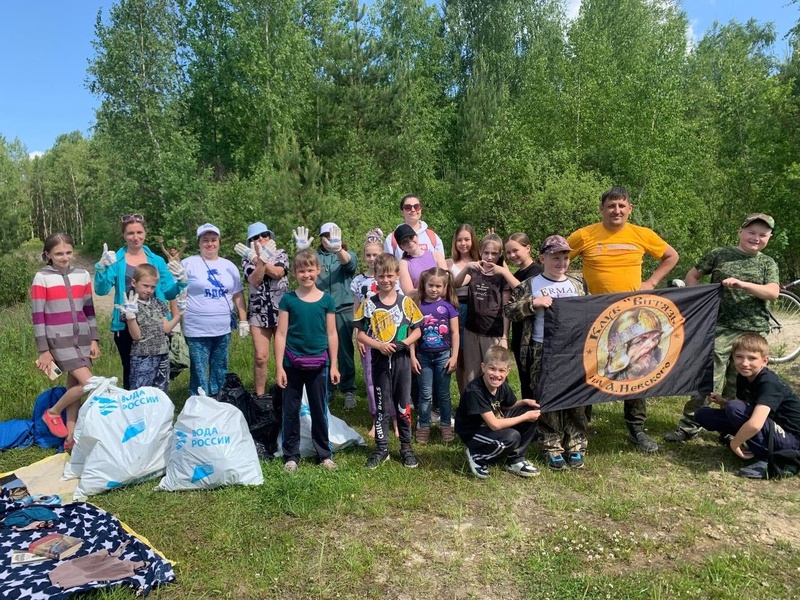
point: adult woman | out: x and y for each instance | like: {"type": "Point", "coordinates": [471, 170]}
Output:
{"type": "Point", "coordinates": [215, 299]}
{"type": "Point", "coordinates": [115, 270]}
{"type": "Point", "coordinates": [265, 268]}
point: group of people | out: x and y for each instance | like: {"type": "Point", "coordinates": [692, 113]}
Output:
{"type": "Point", "coordinates": [415, 317]}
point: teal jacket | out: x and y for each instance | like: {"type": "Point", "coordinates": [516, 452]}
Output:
{"type": "Point", "coordinates": [106, 278]}
{"type": "Point", "coordinates": [336, 278]}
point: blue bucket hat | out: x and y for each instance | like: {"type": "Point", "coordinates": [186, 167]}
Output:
{"type": "Point", "coordinates": [257, 229]}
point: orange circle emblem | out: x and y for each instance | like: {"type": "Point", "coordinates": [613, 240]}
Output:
{"type": "Point", "coordinates": [633, 344]}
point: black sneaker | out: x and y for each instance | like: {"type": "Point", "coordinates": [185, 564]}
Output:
{"type": "Point", "coordinates": [556, 462]}
{"type": "Point", "coordinates": [642, 441]}
{"type": "Point", "coordinates": [575, 460]}
{"type": "Point", "coordinates": [408, 459]}
{"type": "Point", "coordinates": [480, 471]}
{"type": "Point", "coordinates": [756, 470]}
{"type": "Point", "coordinates": [679, 435]}
{"type": "Point", "coordinates": [376, 458]}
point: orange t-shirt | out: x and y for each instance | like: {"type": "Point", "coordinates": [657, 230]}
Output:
{"type": "Point", "coordinates": [612, 260]}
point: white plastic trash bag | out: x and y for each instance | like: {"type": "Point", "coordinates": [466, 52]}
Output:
{"type": "Point", "coordinates": [212, 447]}
{"type": "Point", "coordinates": [340, 434]}
{"type": "Point", "coordinates": [121, 437]}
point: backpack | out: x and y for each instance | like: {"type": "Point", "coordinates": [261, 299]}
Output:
{"type": "Point", "coordinates": [17, 433]}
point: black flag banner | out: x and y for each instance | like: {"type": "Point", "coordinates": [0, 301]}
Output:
{"type": "Point", "coordinates": [634, 345]}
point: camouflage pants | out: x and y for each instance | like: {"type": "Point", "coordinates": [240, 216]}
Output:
{"type": "Point", "coordinates": [724, 377]}
{"type": "Point", "coordinates": [559, 431]}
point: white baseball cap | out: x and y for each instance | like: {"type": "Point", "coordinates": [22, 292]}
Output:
{"type": "Point", "coordinates": [207, 228]}
{"type": "Point", "coordinates": [326, 228]}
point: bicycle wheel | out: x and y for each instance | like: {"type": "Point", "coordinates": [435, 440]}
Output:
{"type": "Point", "coordinates": [784, 335]}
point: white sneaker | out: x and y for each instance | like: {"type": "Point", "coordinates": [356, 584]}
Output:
{"type": "Point", "coordinates": [523, 469]}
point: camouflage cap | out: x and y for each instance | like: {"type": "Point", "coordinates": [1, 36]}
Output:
{"type": "Point", "coordinates": [770, 222]}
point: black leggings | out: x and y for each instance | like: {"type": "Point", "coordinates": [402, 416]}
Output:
{"type": "Point", "coordinates": [124, 342]}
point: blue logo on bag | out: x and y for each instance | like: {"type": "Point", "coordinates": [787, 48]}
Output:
{"type": "Point", "coordinates": [209, 436]}
{"type": "Point", "coordinates": [201, 472]}
{"type": "Point", "coordinates": [106, 406]}
{"type": "Point", "coordinates": [133, 430]}
{"type": "Point", "coordinates": [180, 439]}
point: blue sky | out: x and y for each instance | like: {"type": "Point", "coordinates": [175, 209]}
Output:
{"type": "Point", "coordinates": [47, 44]}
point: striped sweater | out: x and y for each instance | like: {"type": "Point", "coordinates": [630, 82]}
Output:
{"type": "Point", "coordinates": [63, 314]}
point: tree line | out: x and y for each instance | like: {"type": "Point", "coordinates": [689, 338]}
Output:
{"type": "Point", "coordinates": [504, 114]}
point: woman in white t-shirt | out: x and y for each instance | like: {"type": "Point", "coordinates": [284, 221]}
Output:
{"type": "Point", "coordinates": [214, 303]}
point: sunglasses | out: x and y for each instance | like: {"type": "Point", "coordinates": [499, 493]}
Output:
{"type": "Point", "coordinates": [412, 207]}
{"type": "Point", "coordinates": [260, 236]}
{"type": "Point", "coordinates": [132, 218]}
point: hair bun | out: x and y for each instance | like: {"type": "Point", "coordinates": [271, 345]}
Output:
{"type": "Point", "coordinates": [375, 235]}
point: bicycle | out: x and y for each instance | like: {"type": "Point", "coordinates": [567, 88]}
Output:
{"type": "Point", "coordinates": [784, 335]}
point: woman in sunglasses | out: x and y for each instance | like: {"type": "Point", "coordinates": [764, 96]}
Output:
{"type": "Point", "coordinates": [115, 271]}
{"type": "Point", "coordinates": [411, 209]}
{"type": "Point", "coordinates": [265, 269]}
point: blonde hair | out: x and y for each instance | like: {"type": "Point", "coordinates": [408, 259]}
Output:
{"type": "Point", "coordinates": [751, 342]}
{"type": "Point", "coordinates": [449, 289]}
{"type": "Point", "coordinates": [145, 270]}
{"type": "Point", "coordinates": [493, 238]}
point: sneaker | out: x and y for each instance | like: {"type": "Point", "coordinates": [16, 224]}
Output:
{"type": "Point", "coordinates": [349, 400]}
{"type": "Point", "coordinates": [408, 458]}
{"type": "Point", "coordinates": [556, 462]}
{"type": "Point", "coordinates": [643, 441]}
{"type": "Point", "coordinates": [480, 471]}
{"type": "Point", "coordinates": [290, 466]}
{"type": "Point", "coordinates": [679, 435]}
{"type": "Point", "coordinates": [448, 435]}
{"type": "Point", "coordinates": [575, 460]}
{"type": "Point", "coordinates": [423, 435]}
{"type": "Point", "coordinates": [55, 425]}
{"type": "Point", "coordinates": [523, 469]}
{"type": "Point", "coordinates": [376, 458]}
{"type": "Point", "coordinates": [756, 470]}
{"type": "Point", "coordinates": [329, 464]}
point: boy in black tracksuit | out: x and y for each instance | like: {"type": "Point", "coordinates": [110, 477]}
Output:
{"type": "Point", "coordinates": [388, 323]}
{"type": "Point", "coordinates": [492, 423]}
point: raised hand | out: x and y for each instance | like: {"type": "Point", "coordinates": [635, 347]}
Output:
{"type": "Point", "coordinates": [130, 307]}
{"type": "Point", "coordinates": [107, 259]}
{"type": "Point", "coordinates": [267, 251]}
{"type": "Point", "coordinates": [246, 252]}
{"type": "Point", "coordinates": [301, 239]}
{"type": "Point", "coordinates": [177, 270]}
{"type": "Point", "coordinates": [334, 242]}
{"type": "Point", "coordinates": [181, 301]}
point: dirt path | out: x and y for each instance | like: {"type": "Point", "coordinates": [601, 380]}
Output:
{"type": "Point", "coordinates": [102, 304]}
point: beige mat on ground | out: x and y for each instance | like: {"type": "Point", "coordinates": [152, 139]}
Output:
{"type": "Point", "coordinates": [44, 477]}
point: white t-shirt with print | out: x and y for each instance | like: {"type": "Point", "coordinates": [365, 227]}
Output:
{"type": "Point", "coordinates": [542, 286]}
{"type": "Point", "coordinates": [212, 284]}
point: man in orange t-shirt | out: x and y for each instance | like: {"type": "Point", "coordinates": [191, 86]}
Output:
{"type": "Point", "coordinates": [612, 252]}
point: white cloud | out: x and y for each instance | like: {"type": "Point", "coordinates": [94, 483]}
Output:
{"type": "Point", "coordinates": [35, 154]}
{"type": "Point", "coordinates": [572, 7]}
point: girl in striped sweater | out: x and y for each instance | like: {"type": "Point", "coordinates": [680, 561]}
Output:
{"type": "Point", "coordinates": [65, 329]}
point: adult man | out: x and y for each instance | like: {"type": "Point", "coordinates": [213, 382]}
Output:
{"type": "Point", "coordinates": [612, 253]}
{"type": "Point", "coordinates": [411, 209]}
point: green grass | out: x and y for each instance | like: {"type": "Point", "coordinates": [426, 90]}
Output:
{"type": "Point", "coordinates": [674, 525]}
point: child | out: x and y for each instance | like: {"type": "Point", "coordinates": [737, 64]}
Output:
{"type": "Point", "coordinates": [65, 329]}
{"type": "Point", "coordinates": [518, 252]}
{"type": "Point", "coordinates": [437, 350]}
{"type": "Point", "coordinates": [363, 286]}
{"type": "Point", "coordinates": [306, 346]}
{"type": "Point", "coordinates": [488, 286]}
{"type": "Point", "coordinates": [146, 318]}
{"type": "Point", "coordinates": [764, 402]}
{"type": "Point", "coordinates": [464, 250]}
{"type": "Point", "coordinates": [388, 323]}
{"type": "Point", "coordinates": [750, 279]}
{"type": "Point", "coordinates": [415, 259]}
{"type": "Point", "coordinates": [492, 423]}
{"type": "Point", "coordinates": [560, 431]}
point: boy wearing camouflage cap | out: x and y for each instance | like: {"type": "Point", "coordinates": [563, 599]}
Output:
{"type": "Point", "coordinates": [750, 279]}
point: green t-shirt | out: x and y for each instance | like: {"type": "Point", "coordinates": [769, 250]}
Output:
{"type": "Point", "coordinates": [308, 331]}
{"type": "Point", "coordinates": [739, 309]}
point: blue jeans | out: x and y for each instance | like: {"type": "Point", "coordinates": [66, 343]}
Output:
{"type": "Point", "coordinates": [434, 375]}
{"type": "Point", "coordinates": [150, 370]}
{"type": "Point", "coordinates": [208, 363]}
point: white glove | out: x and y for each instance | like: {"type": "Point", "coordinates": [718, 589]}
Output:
{"type": "Point", "coordinates": [301, 239]}
{"type": "Point", "coordinates": [246, 252]}
{"type": "Point", "coordinates": [181, 301]}
{"type": "Point", "coordinates": [107, 259]}
{"type": "Point", "coordinates": [130, 307]}
{"type": "Point", "coordinates": [244, 329]}
{"type": "Point", "coordinates": [177, 270]}
{"type": "Point", "coordinates": [334, 242]}
{"type": "Point", "coordinates": [267, 251]}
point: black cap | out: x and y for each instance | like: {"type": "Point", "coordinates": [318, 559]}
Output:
{"type": "Point", "coordinates": [403, 232]}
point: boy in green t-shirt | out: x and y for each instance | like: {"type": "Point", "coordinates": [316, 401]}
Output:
{"type": "Point", "coordinates": [750, 279]}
